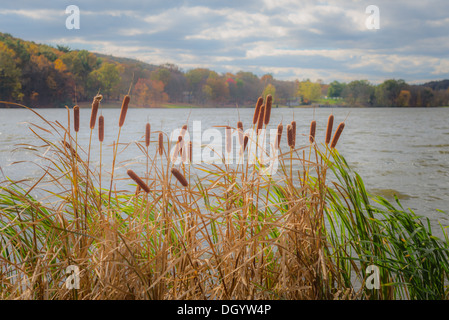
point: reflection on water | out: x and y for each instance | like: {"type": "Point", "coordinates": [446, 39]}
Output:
{"type": "Point", "coordinates": [396, 151]}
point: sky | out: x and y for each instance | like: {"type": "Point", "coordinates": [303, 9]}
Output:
{"type": "Point", "coordinates": [291, 39]}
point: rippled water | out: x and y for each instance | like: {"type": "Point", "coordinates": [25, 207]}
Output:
{"type": "Point", "coordinates": [396, 151]}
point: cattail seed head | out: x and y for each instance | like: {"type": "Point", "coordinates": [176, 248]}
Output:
{"type": "Point", "coordinates": [268, 104]}
{"type": "Point", "coordinates": [330, 123]}
{"type": "Point", "coordinates": [293, 133]}
{"type": "Point", "coordinates": [257, 110]}
{"type": "Point", "coordinates": [245, 141]}
{"type": "Point", "coordinates": [178, 175]}
{"type": "Point", "coordinates": [76, 118]}
{"type": "Point", "coordinates": [190, 151]}
{"type": "Point", "coordinates": [72, 151]}
{"type": "Point", "coordinates": [337, 134]}
{"type": "Point", "coordinates": [290, 136]}
{"type": "Point", "coordinates": [101, 128]}
{"type": "Point", "coordinates": [240, 132]}
{"type": "Point", "coordinates": [123, 110]}
{"type": "Point", "coordinates": [260, 122]}
{"type": "Point", "coordinates": [139, 181]}
{"type": "Point", "coordinates": [147, 134]}
{"type": "Point", "coordinates": [161, 143]}
{"type": "Point", "coordinates": [228, 135]}
{"type": "Point", "coordinates": [279, 135]}
{"type": "Point", "coordinates": [312, 131]}
{"type": "Point", "coordinates": [94, 111]}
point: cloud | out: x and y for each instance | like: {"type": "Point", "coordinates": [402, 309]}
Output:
{"type": "Point", "coordinates": [325, 39]}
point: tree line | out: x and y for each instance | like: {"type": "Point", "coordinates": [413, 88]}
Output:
{"type": "Point", "coordinates": [43, 75]}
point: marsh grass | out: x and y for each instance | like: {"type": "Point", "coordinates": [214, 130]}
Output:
{"type": "Point", "coordinates": [227, 233]}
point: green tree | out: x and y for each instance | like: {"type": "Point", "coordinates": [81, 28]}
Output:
{"type": "Point", "coordinates": [269, 89]}
{"type": "Point", "coordinates": [10, 86]}
{"type": "Point", "coordinates": [309, 91]}
{"type": "Point", "coordinates": [107, 78]}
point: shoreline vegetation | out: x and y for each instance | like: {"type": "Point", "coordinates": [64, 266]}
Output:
{"type": "Point", "coordinates": [40, 75]}
{"type": "Point", "coordinates": [228, 234]}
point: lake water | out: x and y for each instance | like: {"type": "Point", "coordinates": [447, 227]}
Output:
{"type": "Point", "coordinates": [396, 151]}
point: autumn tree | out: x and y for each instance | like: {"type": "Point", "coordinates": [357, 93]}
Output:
{"type": "Point", "coordinates": [149, 93]}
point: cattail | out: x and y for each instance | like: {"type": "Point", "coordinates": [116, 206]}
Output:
{"type": "Point", "coordinates": [279, 135]}
{"type": "Point", "coordinates": [190, 151]}
{"type": "Point", "coordinates": [290, 136]}
{"type": "Point", "coordinates": [330, 123]}
{"type": "Point", "coordinates": [72, 151]}
{"type": "Point", "coordinates": [76, 118]}
{"type": "Point", "coordinates": [101, 128]}
{"type": "Point", "coordinates": [337, 134]}
{"type": "Point", "coordinates": [183, 130]}
{"type": "Point", "coordinates": [257, 110]}
{"type": "Point", "coordinates": [178, 175]}
{"type": "Point", "coordinates": [245, 141]}
{"type": "Point", "coordinates": [312, 131]}
{"type": "Point", "coordinates": [294, 133]}
{"type": "Point", "coordinates": [240, 132]}
{"type": "Point", "coordinates": [228, 139]}
{"type": "Point", "coordinates": [137, 180]}
{"type": "Point", "coordinates": [147, 135]}
{"type": "Point", "coordinates": [94, 111]}
{"type": "Point", "coordinates": [161, 143]}
{"type": "Point", "coordinates": [260, 122]}
{"type": "Point", "coordinates": [268, 109]}
{"type": "Point", "coordinates": [123, 110]}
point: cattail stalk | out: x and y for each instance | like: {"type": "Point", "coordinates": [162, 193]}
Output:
{"type": "Point", "coordinates": [76, 118]}
{"type": "Point", "coordinates": [240, 132]}
{"type": "Point", "coordinates": [330, 123]}
{"type": "Point", "coordinates": [279, 135]}
{"type": "Point", "coordinates": [178, 175]}
{"type": "Point", "coordinates": [268, 104]}
{"type": "Point", "coordinates": [123, 110]}
{"type": "Point", "coordinates": [101, 128]}
{"type": "Point", "coordinates": [312, 131]}
{"type": "Point", "coordinates": [139, 181]}
{"type": "Point", "coordinates": [257, 110]}
{"type": "Point", "coordinates": [261, 118]}
{"type": "Point", "coordinates": [161, 143]}
{"type": "Point", "coordinates": [290, 140]}
{"type": "Point", "coordinates": [94, 110]}
{"type": "Point", "coordinates": [293, 133]}
{"type": "Point", "coordinates": [228, 139]}
{"type": "Point", "coordinates": [337, 134]}
{"type": "Point", "coordinates": [147, 135]}
{"type": "Point", "coordinates": [245, 141]}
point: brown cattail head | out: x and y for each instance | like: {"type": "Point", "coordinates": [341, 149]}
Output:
{"type": "Point", "coordinates": [245, 141]}
{"type": "Point", "coordinates": [72, 151]}
{"type": "Point", "coordinates": [94, 111]}
{"type": "Point", "coordinates": [337, 134]}
{"type": "Point", "coordinates": [101, 128]}
{"type": "Point", "coordinates": [147, 134]}
{"type": "Point", "coordinates": [76, 118]}
{"type": "Point", "coordinates": [268, 109]}
{"type": "Point", "coordinates": [260, 122]}
{"type": "Point", "coordinates": [161, 143]}
{"type": "Point", "coordinates": [190, 151]}
{"type": "Point", "coordinates": [293, 133]}
{"type": "Point", "coordinates": [178, 175]}
{"type": "Point", "coordinates": [139, 181]}
{"type": "Point", "coordinates": [228, 135]}
{"type": "Point", "coordinates": [290, 136]}
{"type": "Point", "coordinates": [312, 131]}
{"type": "Point", "coordinates": [240, 132]}
{"type": "Point", "coordinates": [123, 110]}
{"type": "Point", "coordinates": [330, 123]}
{"type": "Point", "coordinates": [257, 110]}
{"type": "Point", "coordinates": [279, 135]}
